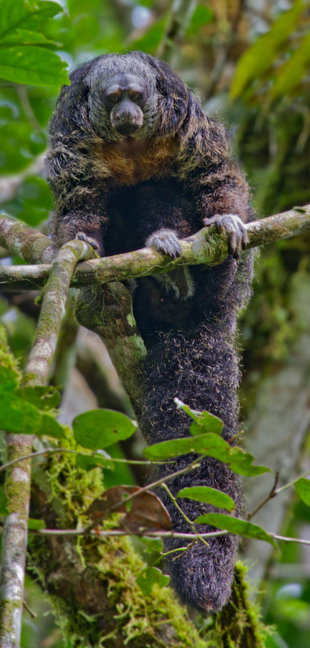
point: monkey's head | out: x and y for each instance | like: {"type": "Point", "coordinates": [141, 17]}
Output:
{"type": "Point", "coordinates": [126, 96]}
{"type": "Point", "coordinates": [119, 98]}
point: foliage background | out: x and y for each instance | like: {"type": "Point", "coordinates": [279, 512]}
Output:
{"type": "Point", "coordinates": [249, 62]}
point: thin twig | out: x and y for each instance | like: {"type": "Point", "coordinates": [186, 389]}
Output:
{"type": "Point", "coordinates": [40, 453]}
{"type": "Point", "coordinates": [291, 483]}
{"type": "Point", "coordinates": [186, 518]}
{"type": "Point", "coordinates": [287, 539]}
{"type": "Point", "coordinates": [120, 532]}
{"type": "Point", "coordinates": [275, 491]}
{"type": "Point", "coordinates": [152, 534]}
{"type": "Point", "coordinates": [30, 611]}
{"type": "Point", "coordinates": [272, 494]}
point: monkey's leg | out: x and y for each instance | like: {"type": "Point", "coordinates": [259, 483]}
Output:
{"type": "Point", "coordinates": [201, 368]}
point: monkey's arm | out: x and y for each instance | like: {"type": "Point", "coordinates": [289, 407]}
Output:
{"type": "Point", "coordinates": [226, 207]}
{"type": "Point", "coordinates": [73, 169]}
{"type": "Point", "coordinates": [213, 189]}
{"type": "Point", "coordinates": [79, 198]}
{"type": "Point", "coordinates": [222, 200]}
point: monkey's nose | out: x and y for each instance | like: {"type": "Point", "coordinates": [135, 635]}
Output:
{"type": "Point", "coordinates": [127, 118]}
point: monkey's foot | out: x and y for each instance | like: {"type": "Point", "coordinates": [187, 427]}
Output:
{"type": "Point", "coordinates": [165, 241]}
{"type": "Point", "coordinates": [234, 228]}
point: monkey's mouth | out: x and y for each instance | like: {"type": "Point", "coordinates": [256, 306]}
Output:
{"type": "Point", "coordinates": [127, 122]}
{"type": "Point", "coordinates": [126, 128]}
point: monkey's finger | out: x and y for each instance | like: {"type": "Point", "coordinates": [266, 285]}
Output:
{"type": "Point", "coordinates": [234, 244]}
{"type": "Point", "coordinates": [245, 237]}
{"type": "Point", "coordinates": [166, 242]}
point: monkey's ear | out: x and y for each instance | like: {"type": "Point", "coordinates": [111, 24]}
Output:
{"type": "Point", "coordinates": [72, 105]}
{"type": "Point", "coordinates": [79, 87]}
{"type": "Point", "coordinates": [174, 100]}
{"type": "Point", "coordinates": [78, 75]}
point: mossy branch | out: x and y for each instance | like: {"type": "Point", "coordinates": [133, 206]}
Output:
{"type": "Point", "coordinates": [18, 478]}
{"type": "Point", "coordinates": [205, 247]}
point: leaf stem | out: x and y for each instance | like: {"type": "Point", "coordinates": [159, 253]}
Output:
{"type": "Point", "coordinates": [272, 494]}
{"type": "Point", "coordinates": [40, 453]}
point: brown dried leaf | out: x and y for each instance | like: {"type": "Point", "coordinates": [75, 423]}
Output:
{"type": "Point", "coordinates": [144, 512]}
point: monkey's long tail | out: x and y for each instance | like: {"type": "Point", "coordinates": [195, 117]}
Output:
{"type": "Point", "coordinates": [201, 368]}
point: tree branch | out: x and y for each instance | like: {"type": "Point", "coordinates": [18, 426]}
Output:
{"type": "Point", "coordinates": [18, 478]}
{"type": "Point", "coordinates": [205, 247]}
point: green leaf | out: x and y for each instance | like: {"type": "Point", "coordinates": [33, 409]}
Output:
{"type": "Point", "coordinates": [241, 462]}
{"type": "Point", "coordinates": [20, 417]}
{"type": "Point", "coordinates": [236, 526]}
{"type": "Point", "coordinates": [153, 546]}
{"type": "Point", "coordinates": [33, 66]}
{"type": "Point", "coordinates": [25, 37]}
{"type": "Point", "coordinates": [149, 577]}
{"type": "Point", "coordinates": [19, 413]}
{"type": "Point", "coordinates": [151, 38]}
{"type": "Point", "coordinates": [177, 447]}
{"type": "Point", "coordinates": [9, 376]}
{"type": "Point", "coordinates": [201, 16]}
{"type": "Point", "coordinates": [22, 14]}
{"type": "Point", "coordinates": [209, 444]}
{"type": "Point", "coordinates": [36, 524]}
{"type": "Point", "coordinates": [205, 422]}
{"type": "Point", "coordinates": [260, 57]}
{"type": "Point", "coordinates": [101, 428]}
{"type": "Point", "coordinates": [89, 462]}
{"type": "Point", "coordinates": [209, 496]}
{"type": "Point", "coordinates": [45, 398]}
{"type": "Point", "coordinates": [51, 427]}
{"type": "Point", "coordinates": [293, 71]}
{"type": "Point", "coordinates": [302, 486]}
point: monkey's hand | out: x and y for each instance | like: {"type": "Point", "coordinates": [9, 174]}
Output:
{"type": "Point", "coordinates": [165, 241]}
{"type": "Point", "coordinates": [81, 236]}
{"type": "Point", "coordinates": [234, 228]}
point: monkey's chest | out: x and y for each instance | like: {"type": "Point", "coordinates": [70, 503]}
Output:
{"type": "Point", "coordinates": [130, 162]}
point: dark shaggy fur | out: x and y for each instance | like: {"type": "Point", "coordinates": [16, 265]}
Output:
{"type": "Point", "coordinates": [151, 186]}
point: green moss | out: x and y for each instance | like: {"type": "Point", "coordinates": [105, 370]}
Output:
{"type": "Point", "coordinates": [239, 624]}
{"type": "Point", "coordinates": [110, 566]}
{"type": "Point", "coordinates": [137, 343]}
{"type": "Point", "coordinates": [7, 616]}
{"type": "Point", "coordinates": [6, 357]}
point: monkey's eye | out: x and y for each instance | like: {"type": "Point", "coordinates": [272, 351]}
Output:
{"type": "Point", "coordinates": [113, 97]}
{"type": "Point", "coordinates": [135, 96]}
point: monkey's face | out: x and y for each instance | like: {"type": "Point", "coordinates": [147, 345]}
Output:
{"type": "Point", "coordinates": [124, 99]}
{"type": "Point", "coordinates": [129, 96]}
